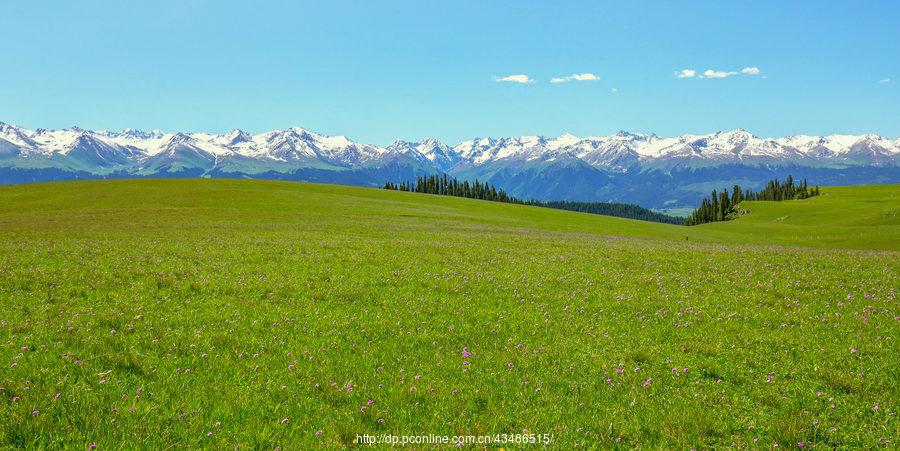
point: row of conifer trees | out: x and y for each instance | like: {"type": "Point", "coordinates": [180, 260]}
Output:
{"type": "Point", "coordinates": [449, 186]}
{"type": "Point", "coordinates": [721, 206]}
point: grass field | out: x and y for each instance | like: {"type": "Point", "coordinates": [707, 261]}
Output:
{"type": "Point", "coordinates": [224, 313]}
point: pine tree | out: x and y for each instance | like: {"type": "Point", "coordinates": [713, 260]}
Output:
{"type": "Point", "coordinates": [715, 206]}
{"type": "Point", "coordinates": [736, 196]}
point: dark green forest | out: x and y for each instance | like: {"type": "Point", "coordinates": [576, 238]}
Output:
{"type": "Point", "coordinates": [610, 209]}
{"type": "Point", "coordinates": [449, 186]}
{"type": "Point", "coordinates": [721, 206]}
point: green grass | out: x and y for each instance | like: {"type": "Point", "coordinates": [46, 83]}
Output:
{"type": "Point", "coordinates": [864, 217]}
{"type": "Point", "coordinates": [228, 306]}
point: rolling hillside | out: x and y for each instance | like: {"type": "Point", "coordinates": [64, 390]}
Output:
{"type": "Point", "coordinates": [861, 217]}
{"type": "Point", "coordinates": [199, 313]}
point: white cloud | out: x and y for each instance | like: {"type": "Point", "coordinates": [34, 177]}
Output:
{"type": "Point", "coordinates": [709, 73]}
{"type": "Point", "coordinates": [614, 90]}
{"type": "Point", "coordinates": [518, 78]}
{"type": "Point", "coordinates": [585, 77]}
{"type": "Point", "coordinates": [884, 81]}
{"type": "Point", "coordinates": [575, 77]}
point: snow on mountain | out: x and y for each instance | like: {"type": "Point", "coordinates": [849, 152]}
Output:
{"type": "Point", "coordinates": [407, 148]}
{"type": "Point", "coordinates": [130, 133]}
{"type": "Point", "coordinates": [438, 152]}
{"type": "Point", "coordinates": [295, 144]}
{"type": "Point", "coordinates": [90, 151]}
{"type": "Point", "coordinates": [735, 145]}
{"type": "Point", "coordinates": [527, 148]}
{"type": "Point", "coordinates": [620, 152]}
{"type": "Point", "coordinates": [17, 137]}
{"type": "Point", "coordinates": [343, 150]}
{"type": "Point", "coordinates": [429, 150]}
{"type": "Point", "coordinates": [564, 140]}
{"type": "Point", "coordinates": [180, 142]}
{"type": "Point", "coordinates": [59, 141]}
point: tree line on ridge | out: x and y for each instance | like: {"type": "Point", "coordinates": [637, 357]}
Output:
{"type": "Point", "coordinates": [449, 186]}
{"type": "Point", "coordinates": [722, 206]}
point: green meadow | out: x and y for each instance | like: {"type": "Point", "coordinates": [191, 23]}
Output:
{"type": "Point", "coordinates": [225, 313]}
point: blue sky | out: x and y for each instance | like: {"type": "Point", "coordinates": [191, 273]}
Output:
{"type": "Point", "coordinates": [380, 70]}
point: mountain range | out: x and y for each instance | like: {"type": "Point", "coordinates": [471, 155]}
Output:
{"type": "Point", "coordinates": [666, 173]}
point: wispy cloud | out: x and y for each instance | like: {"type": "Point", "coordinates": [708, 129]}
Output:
{"type": "Point", "coordinates": [709, 73]}
{"type": "Point", "coordinates": [614, 90]}
{"type": "Point", "coordinates": [517, 78]}
{"type": "Point", "coordinates": [575, 77]}
{"type": "Point", "coordinates": [884, 81]}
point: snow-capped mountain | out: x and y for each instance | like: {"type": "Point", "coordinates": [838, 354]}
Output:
{"type": "Point", "coordinates": [527, 166]}
{"type": "Point", "coordinates": [428, 151]}
{"type": "Point", "coordinates": [618, 152]}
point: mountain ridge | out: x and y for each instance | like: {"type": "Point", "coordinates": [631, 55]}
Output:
{"type": "Point", "coordinates": [566, 166]}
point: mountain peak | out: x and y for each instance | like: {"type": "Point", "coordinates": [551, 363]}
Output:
{"type": "Point", "coordinates": [133, 133]}
{"type": "Point", "coordinates": [180, 138]}
{"type": "Point", "coordinates": [738, 132]}
{"type": "Point", "coordinates": [237, 136]}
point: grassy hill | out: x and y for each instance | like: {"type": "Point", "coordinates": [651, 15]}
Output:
{"type": "Point", "coordinates": [863, 217]}
{"type": "Point", "coordinates": [223, 313]}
